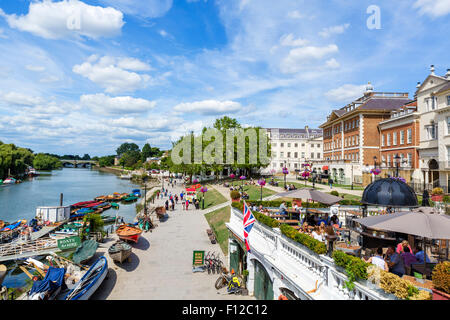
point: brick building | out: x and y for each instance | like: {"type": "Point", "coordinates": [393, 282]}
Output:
{"type": "Point", "coordinates": [400, 136]}
{"type": "Point", "coordinates": [351, 138]}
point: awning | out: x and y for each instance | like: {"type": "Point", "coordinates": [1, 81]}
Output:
{"type": "Point", "coordinates": [325, 168]}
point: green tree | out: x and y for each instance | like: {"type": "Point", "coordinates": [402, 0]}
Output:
{"type": "Point", "coordinates": [106, 161]}
{"type": "Point", "coordinates": [45, 162]}
{"type": "Point", "coordinates": [146, 152]}
{"type": "Point", "coordinates": [127, 147]}
{"type": "Point", "coordinates": [86, 157]}
{"type": "Point", "coordinates": [14, 160]}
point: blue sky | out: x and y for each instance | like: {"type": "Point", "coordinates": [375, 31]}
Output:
{"type": "Point", "coordinates": [84, 76]}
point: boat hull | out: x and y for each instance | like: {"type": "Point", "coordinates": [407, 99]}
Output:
{"type": "Point", "coordinates": [119, 255]}
{"type": "Point", "coordinates": [128, 233]}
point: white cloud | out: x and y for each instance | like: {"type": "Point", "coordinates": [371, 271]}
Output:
{"type": "Point", "coordinates": [346, 93]}
{"type": "Point", "coordinates": [67, 19]}
{"type": "Point", "coordinates": [112, 73]}
{"type": "Point", "coordinates": [288, 40]}
{"type": "Point", "coordinates": [143, 8]}
{"type": "Point", "coordinates": [101, 103]}
{"type": "Point", "coordinates": [49, 79]}
{"type": "Point", "coordinates": [209, 107]}
{"type": "Point", "coordinates": [299, 58]}
{"type": "Point", "coordinates": [434, 8]}
{"type": "Point", "coordinates": [35, 68]}
{"type": "Point", "coordinates": [326, 32]}
{"type": "Point", "coordinates": [295, 14]}
{"type": "Point", "coordinates": [163, 33]}
{"type": "Point", "coordinates": [21, 99]}
{"type": "Point", "coordinates": [332, 63]}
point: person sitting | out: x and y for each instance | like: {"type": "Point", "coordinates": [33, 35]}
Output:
{"type": "Point", "coordinates": [334, 220]}
{"type": "Point", "coordinates": [395, 262]}
{"type": "Point", "coordinates": [378, 260]}
{"type": "Point", "coordinates": [401, 246]}
{"type": "Point", "coordinates": [305, 228]}
{"type": "Point", "coordinates": [283, 209]}
{"type": "Point", "coordinates": [317, 234]}
{"type": "Point", "coordinates": [234, 283]}
{"type": "Point", "coordinates": [420, 255]}
{"type": "Point", "coordinates": [324, 220]}
{"type": "Point", "coordinates": [408, 257]}
{"type": "Point", "coordinates": [261, 208]}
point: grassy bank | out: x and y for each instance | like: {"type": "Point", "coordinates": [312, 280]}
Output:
{"type": "Point", "coordinates": [212, 198]}
{"type": "Point", "coordinates": [254, 192]}
{"type": "Point", "coordinates": [216, 221]}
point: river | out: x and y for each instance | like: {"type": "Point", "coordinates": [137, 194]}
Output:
{"type": "Point", "coordinates": [19, 201]}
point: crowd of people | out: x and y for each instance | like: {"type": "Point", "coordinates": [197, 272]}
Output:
{"type": "Point", "coordinates": [173, 199]}
{"type": "Point", "coordinates": [397, 260]}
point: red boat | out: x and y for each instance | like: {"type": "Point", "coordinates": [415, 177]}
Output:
{"type": "Point", "coordinates": [83, 204]}
{"type": "Point", "coordinates": [129, 233]}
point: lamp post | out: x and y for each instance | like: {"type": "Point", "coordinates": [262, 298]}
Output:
{"type": "Point", "coordinates": [285, 172]}
{"type": "Point", "coordinates": [352, 176]}
{"type": "Point", "coordinates": [145, 195]}
{"type": "Point", "coordinates": [374, 165]}
{"type": "Point", "coordinates": [314, 176]}
{"type": "Point", "coordinates": [397, 163]}
{"type": "Point", "coordinates": [262, 183]}
{"type": "Point", "coordinates": [203, 190]}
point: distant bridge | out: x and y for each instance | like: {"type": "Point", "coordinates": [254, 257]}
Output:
{"type": "Point", "coordinates": [78, 163]}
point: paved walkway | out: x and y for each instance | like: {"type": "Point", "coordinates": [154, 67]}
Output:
{"type": "Point", "coordinates": [161, 263]}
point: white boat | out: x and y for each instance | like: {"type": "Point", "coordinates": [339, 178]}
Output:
{"type": "Point", "coordinates": [90, 282]}
{"type": "Point", "coordinates": [9, 181]}
{"type": "Point", "coordinates": [126, 176]}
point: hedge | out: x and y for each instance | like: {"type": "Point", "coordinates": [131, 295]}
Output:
{"type": "Point", "coordinates": [309, 242]}
{"type": "Point", "coordinates": [355, 267]}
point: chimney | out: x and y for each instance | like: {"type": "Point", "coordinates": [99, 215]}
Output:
{"type": "Point", "coordinates": [432, 69]}
{"type": "Point", "coordinates": [418, 85]}
{"type": "Point", "coordinates": [447, 75]}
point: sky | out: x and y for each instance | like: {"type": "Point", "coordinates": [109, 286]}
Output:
{"type": "Point", "coordinates": [85, 76]}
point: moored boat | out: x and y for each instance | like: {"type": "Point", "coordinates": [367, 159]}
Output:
{"type": "Point", "coordinates": [85, 252]}
{"type": "Point", "coordinates": [90, 281]}
{"type": "Point", "coordinates": [120, 251]}
{"type": "Point", "coordinates": [9, 181]}
{"type": "Point", "coordinates": [128, 233]}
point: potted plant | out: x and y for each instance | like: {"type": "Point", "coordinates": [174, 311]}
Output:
{"type": "Point", "coordinates": [245, 274]}
{"type": "Point", "coordinates": [437, 194]}
{"type": "Point", "coordinates": [441, 281]}
{"type": "Point", "coordinates": [235, 196]}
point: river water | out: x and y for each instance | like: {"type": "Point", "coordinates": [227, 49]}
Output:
{"type": "Point", "coordinates": [19, 201]}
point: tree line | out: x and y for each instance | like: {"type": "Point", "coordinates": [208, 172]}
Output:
{"type": "Point", "coordinates": [14, 160]}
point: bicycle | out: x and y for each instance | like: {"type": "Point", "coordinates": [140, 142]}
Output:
{"type": "Point", "coordinates": [219, 264]}
{"type": "Point", "coordinates": [212, 263]}
{"type": "Point", "coordinates": [207, 262]}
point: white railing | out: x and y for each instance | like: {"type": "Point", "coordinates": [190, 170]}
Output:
{"type": "Point", "coordinates": [290, 257]}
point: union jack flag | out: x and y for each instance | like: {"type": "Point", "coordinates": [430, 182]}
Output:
{"type": "Point", "coordinates": [249, 220]}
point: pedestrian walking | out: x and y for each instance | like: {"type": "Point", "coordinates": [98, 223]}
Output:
{"type": "Point", "coordinates": [181, 196]}
{"type": "Point", "coordinates": [167, 205]}
{"type": "Point", "coordinates": [184, 205]}
{"type": "Point", "coordinates": [187, 204]}
{"type": "Point", "coordinates": [330, 182]}
{"type": "Point", "coordinates": [176, 198]}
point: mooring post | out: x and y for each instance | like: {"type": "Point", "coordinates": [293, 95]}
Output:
{"type": "Point", "coordinates": [61, 196]}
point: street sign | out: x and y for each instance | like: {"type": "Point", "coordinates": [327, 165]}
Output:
{"type": "Point", "coordinates": [69, 243]}
{"type": "Point", "coordinates": [198, 258]}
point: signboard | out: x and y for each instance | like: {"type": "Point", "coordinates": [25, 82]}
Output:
{"type": "Point", "coordinates": [69, 243]}
{"type": "Point", "coordinates": [198, 258]}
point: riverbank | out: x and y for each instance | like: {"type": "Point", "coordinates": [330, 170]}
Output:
{"type": "Point", "coordinates": [115, 171]}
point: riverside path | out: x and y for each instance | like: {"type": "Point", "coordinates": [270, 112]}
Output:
{"type": "Point", "coordinates": [161, 263]}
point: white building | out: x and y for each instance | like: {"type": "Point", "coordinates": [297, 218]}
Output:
{"type": "Point", "coordinates": [433, 105]}
{"type": "Point", "coordinates": [291, 148]}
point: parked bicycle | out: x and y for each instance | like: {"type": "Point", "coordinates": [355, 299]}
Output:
{"type": "Point", "coordinates": [232, 281]}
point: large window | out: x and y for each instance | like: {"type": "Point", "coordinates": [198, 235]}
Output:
{"type": "Point", "coordinates": [448, 125]}
{"type": "Point", "coordinates": [281, 154]}
{"type": "Point", "coordinates": [402, 137]}
{"type": "Point", "coordinates": [394, 139]}
{"type": "Point", "coordinates": [382, 140]}
{"type": "Point", "coordinates": [448, 100]}
{"type": "Point", "coordinates": [289, 145]}
{"type": "Point", "coordinates": [388, 139]}
{"type": "Point", "coordinates": [432, 131]}
{"type": "Point", "coordinates": [318, 155]}
{"type": "Point", "coordinates": [409, 163]}
{"type": "Point", "coordinates": [409, 135]}
{"type": "Point", "coordinates": [288, 154]}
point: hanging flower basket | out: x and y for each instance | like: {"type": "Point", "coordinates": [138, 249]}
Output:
{"type": "Point", "coordinates": [203, 189]}
{"type": "Point", "coordinates": [262, 182]}
{"type": "Point", "coordinates": [195, 181]}
{"type": "Point", "coordinates": [232, 176]}
{"type": "Point", "coordinates": [285, 171]}
{"type": "Point", "coordinates": [242, 177]}
{"type": "Point", "coordinates": [305, 174]}
{"type": "Point", "coordinates": [399, 179]}
{"type": "Point", "coordinates": [375, 171]}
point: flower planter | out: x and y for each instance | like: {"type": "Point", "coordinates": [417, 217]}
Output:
{"type": "Point", "coordinates": [437, 198]}
{"type": "Point", "coordinates": [440, 295]}
{"type": "Point", "coordinates": [235, 200]}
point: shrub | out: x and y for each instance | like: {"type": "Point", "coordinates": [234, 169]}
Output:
{"type": "Point", "coordinates": [334, 193]}
{"type": "Point", "coordinates": [354, 267]}
{"type": "Point", "coordinates": [441, 276]}
{"type": "Point", "coordinates": [309, 242]}
{"type": "Point", "coordinates": [437, 191]}
{"type": "Point", "coordinates": [235, 195]}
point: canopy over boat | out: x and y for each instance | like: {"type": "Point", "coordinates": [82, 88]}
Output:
{"type": "Point", "coordinates": [52, 281]}
{"type": "Point", "coordinates": [13, 226]}
{"type": "Point", "coordinates": [85, 251]}
{"type": "Point", "coordinates": [84, 203]}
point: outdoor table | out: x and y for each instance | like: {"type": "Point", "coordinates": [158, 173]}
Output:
{"type": "Point", "coordinates": [419, 268]}
{"type": "Point", "coordinates": [345, 232]}
{"type": "Point", "coordinates": [314, 211]}
{"type": "Point", "coordinates": [278, 216]}
{"type": "Point", "coordinates": [289, 221]}
{"type": "Point", "coordinates": [355, 213]}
